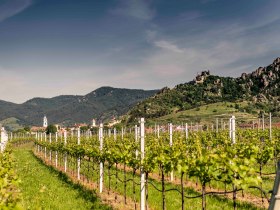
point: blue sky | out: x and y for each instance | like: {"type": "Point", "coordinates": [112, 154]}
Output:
{"type": "Point", "coordinates": [54, 47]}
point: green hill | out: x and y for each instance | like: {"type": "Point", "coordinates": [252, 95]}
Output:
{"type": "Point", "coordinates": [252, 93]}
{"type": "Point", "coordinates": [101, 104]}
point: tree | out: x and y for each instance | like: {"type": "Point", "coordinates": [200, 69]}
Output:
{"type": "Point", "coordinates": [26, 128]}
{"type": "Point", "coordinates": [51, 129]}
{"type": "Point", "coordinates": [84, 128]}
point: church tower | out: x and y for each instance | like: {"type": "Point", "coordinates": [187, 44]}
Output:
{"type": "Point", "coordinates": [45, 122]}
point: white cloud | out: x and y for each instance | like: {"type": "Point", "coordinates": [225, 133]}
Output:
{"type": "Point", "coordinates": [139, 9]}
{"type": "Point", "coordinates": [218, 59]}
{"type": "Point", "coordinates": [12, 7]}
{"type": "Point", "coordinates": [191, 15]}
{"type": "Point", "coordinates": [168, 46]}
{"type": "Point", "coordinates": [176, 53]}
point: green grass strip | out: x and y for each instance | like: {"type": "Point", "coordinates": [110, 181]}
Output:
{"type": "Point", "coordinates": [44, 188]}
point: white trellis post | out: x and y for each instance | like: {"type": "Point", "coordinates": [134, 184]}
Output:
{"type": "Point", "coordinates": [37, 139]}
{"type": "Point", "coordinates": [232, 129]}
{"type": "Point", "coordinates": [158, 131]}
{"type": "Point", "coordinates": [109, 132]}
{"type": "Point", "coordinates": [143, 179]}
{"type": "Point", "coordinates": [56, 153]}
{"type": "Point", "coordinates": [232, 134]}
{"type": "Point", "coordinates": [171, 143]}
{"type": "Point", "coordinates": [45, 147]}
{"type": "Point", "coordinates": [4, 139]}
{"type": "Point", "coordinates": [90, 133]}
{"type": "Point", "coordinates": [50, 139]}
{"type": "Point", "coordinates": [122, 133]}
{"type": "Point", "coordinates": [115, 134]}
{"type": "Point", "coordinates": [65, 154]}
{"type": "Point", "coordinates": [79, 158]}
{"type": "Point", "coordinates": [187, 131]}
{"type": "Point", "coordinates": [101, 163]}
{"type": "Point", "coordinates": [41, 139]}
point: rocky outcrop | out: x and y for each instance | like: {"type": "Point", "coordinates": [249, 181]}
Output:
{"type": "Point", "coordinates": [200, 78]}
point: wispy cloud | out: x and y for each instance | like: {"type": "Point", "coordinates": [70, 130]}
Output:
{"type": "Point", "coordinates": [191, 15]}
{"type": "Point", "coordinates": [12, 7]}
{"type": "Point", "coordinates": [140, 9]}
{"type": "Point", "coordinates": [168, 46]}
{"type": "Point", "coordinates": [207, 1]}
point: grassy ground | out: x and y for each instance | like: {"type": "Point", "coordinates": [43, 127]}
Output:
{"type": "Point", "coordinates": [208, 113]}
{"type": "Point", "coordinates": [44, 188]}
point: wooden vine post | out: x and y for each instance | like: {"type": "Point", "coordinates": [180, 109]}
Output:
{"type": "Point", "coordinates": [101, 163]}
{"type": "Point", "coordinates": [143, 180]}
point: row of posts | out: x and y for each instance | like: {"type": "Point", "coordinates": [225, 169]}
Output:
{"type": "Point", "coordinates": [139, 133]}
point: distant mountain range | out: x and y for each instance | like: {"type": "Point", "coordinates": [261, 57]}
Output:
{"type": "Point", "coordinates": [253, 93]}
{"type": "Point", "coordinates": [259, 89]}
{"type": "Point", "coordinates": [101, 104]}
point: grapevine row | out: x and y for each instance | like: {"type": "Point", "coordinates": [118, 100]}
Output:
{"type": "Point", "coordinates": [205, 156]}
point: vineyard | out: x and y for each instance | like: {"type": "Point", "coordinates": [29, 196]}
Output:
{"type": "Point", "coordinates": [167, 168]}
{"type": "Point", "coordinates": [9, 194]}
